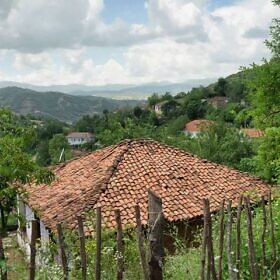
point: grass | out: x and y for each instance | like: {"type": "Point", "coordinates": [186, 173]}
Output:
{"type": "Point", "coordinates": [183, 264]}
{"type": "Point", "coordinates": [16, 265]}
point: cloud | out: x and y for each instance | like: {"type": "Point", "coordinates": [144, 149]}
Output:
{"type": "Point", "coordinates": [52, 41]}
{"type": "Point", "coordinates": [5, 8]}
{"type": "Point", "coordinates": [256, 32]}
{"type": "Point", "coordinates": [70, 24]}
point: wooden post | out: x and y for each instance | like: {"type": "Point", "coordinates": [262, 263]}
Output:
{"type": "Point", "coordinates": [32, 264]}
{"type": "Point", "coordinates": [229, 243]}
{"type": "Point", "coordinates": [2, 256]}
{"type": "Point", "coordinates": [141, 242]}
{"type": "Point", "coordinates": [82, 247]}
{"type": "Point", "coordinates": [210, 249]}
{"type": "Point", "coordinates": [155, 222]}
{"type": "Point", "coordinates": [98, 245]}
{"type": "Point", "coordinates": [273, 245]}
{"type": "Point", "coordinates": [119, 245]}
{"type": "Point", "coordinates": [263, 239]}
{"type": "Point", "coordinates": [221, 239]}
{"type": "Point", "coordinates": [252, 256]}
{"type": "Point", "coordinates": [62, 251]}
{"type": "Point", "coordinates": [238, 239]}
{"type": "Point", "coordinates": [204, 241]}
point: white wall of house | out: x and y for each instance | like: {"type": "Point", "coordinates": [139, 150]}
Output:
{"type": "Point", "coordinates": [75, 141]}
{"type": "Point", "coordinates": [193, 134]}
{"type": "Point", "coordinates": [24, 229]}
{"type": "Point", "coordinates": [158, 110]}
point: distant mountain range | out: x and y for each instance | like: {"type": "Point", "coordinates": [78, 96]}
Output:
{"type": "Point", "coordinates": [64, 107]}
{"type": "Point", "coordinates": [120, 91]}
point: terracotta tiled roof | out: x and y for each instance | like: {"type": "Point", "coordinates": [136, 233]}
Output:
{"type": "Point", "coordinates": [252, 132]}
{"type": "Point", "coordinates": [198, 125]}
{"type": "Point", "coordinates": [118, 177]}
{"type": "Point", "coordinates": [80, 135]}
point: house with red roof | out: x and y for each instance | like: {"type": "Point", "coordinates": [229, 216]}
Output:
{"type": "Point", "coordinates": [252, 132]}
{"type": "Point", "coordinates": [195, 127]}
{"type": "Point", "coordinates": [120, 176]}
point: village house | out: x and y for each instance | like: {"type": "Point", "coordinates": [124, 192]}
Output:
{"type": "Point", "coordinates": [119, 177]}
{"type": "Point", "coordinates": [252, 132]}
{"type": "Point", "coordinates": [79, 138]}
{"type": "Point", "coordinates": [158, 108]}
{"type": "Point", "coordinates": [219, 102]}
{"type": "Point", "coordinates": [193, 128]}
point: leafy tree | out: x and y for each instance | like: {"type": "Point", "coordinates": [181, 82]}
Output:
{"type": "Point", "coordinates": [194, 108]}
{"type": "Point", "coordinates": [176, 126]}
{"type": "Point", "coordinates": [16, 166]}
{"type": "Point", "coordinates": [167, 97]}
{"type": "Point", "coordinates": [221, 87]}
{"type": "Point", "coordinates": [56, 145]}
{"type": "Point", "coordinates": [169, 108]}
{"type": "Point", "coordinates": [50, 128]}
{"type": "Point", "coordinates": [137, 111]}
{"type": "Point", "coordinates": [43, 156]}
{"type": "Point", "coordinates": [268, 155]}
{"type": "Point", "coordinates": [222, 144]}
{"type": "Point", "coordinates": [129, 130]}
{"type": "Point", "coordinates": [265, 94]}
{"type": "Point", "coordinates": [264, 88]}
{"type": "Point", "coordinates": [274, 43]}
{"type": "Point", "coordinates": [91, 124]}
{"type": "Point", "coordinates": [153, 100]}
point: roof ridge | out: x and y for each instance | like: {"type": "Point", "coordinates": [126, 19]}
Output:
{"type": "Point", "coordinates": [115, 164]}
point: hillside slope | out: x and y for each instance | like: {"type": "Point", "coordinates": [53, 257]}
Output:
{"type": "Point", "coordinates": [58, 105]}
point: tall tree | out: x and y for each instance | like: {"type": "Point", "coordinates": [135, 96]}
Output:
{"type": "Point", "coordinates": [274, 43]}
{"type": "Point", "coordinates": [16, 166]}
{"type": "Point", "coordinates": [56, 146]}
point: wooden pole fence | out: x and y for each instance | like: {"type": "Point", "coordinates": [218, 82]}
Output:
{"type": "Point", "coordinates": [62, 252]}
{"type": "Point", "coordinates": [119, 245]}
{"type": "Point", "coordinates": [82, 247]}
{"type": "Point", "coordinates": [252, 256]}
{"type": "Point", "coordinates": [231, 274]}
{"type": "Point", "coordinates": [141, 244]}
{"type": "Point", "coordinates": [238, 237]}
{"type": "Point", "coordinates": [32, 263]}
{"type": "Point", "coordinates": [4, 275]}
{"type": "Point", "coordinates": [272, 237]}
{"type": "Point", "coordinates": [263, 239]}
{"type": "Point", "coordinates": [98, 245]}
{"type": "Point", "coordinates": [153, 270]}
{"type": "Point", "coordinates": [221, 239]}
{"type": "Point", "coordinates": [210, 248]}
{"type": "Point", "coordinates": [204, 242]}
{"type": "Point", "coordinates": [155, 222]}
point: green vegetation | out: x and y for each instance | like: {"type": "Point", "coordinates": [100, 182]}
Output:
{"type": "Point", "coordinates": [58, 105]}
{"type": "Point", "coordinates": [252, 100]}
{"type": "Point", "coordinates": [16, 165]}
{"type": "Point", "coordinates": [58, 145]}
{"type": "Point", "coordinates": [183, 263]}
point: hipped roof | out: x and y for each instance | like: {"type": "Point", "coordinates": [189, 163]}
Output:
{"type": "Point", "coordinates": [119, 177]}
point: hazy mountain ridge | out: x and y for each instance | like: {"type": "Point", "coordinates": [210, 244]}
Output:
{"type": "Point", "coordinates": [115, 91]}
{"type": "Point", "coordinates": [58, 105]}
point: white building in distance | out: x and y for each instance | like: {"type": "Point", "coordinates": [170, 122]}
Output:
{"type": "Point", "coordinates": [79, 138]}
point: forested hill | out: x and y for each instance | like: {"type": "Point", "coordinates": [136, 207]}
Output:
{"type": "Point", "coordinates": [58, 105]}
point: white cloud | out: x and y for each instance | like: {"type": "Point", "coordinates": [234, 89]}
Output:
{"type": "Point", "coordinates": [181, 40]}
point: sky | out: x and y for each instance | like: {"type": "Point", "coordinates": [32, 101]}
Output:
{"type": "Point", "coordinates": [99, 42]}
